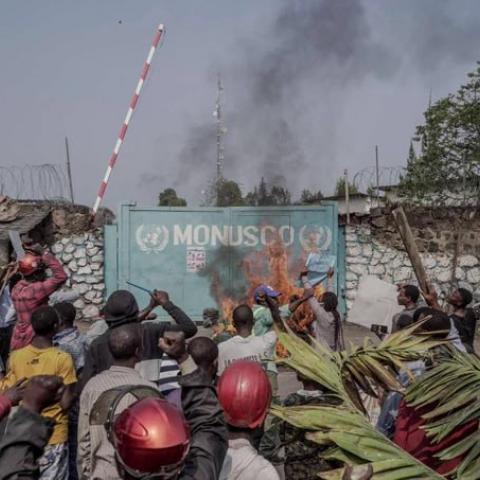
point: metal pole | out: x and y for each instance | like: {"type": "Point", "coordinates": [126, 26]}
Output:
{"type": "Point", "coordinates": [377, 172]}
{"type": "Point", "coordinates": [347, 197]}
{"type": "Point", "coordinates": [133, 103]}
{"type": "Point", "coordinates": [69, 171]}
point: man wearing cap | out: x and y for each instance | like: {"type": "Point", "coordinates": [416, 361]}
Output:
{"type": "Point", "coordinates": [264, 324]}
{"type": "Point", "coordinates": [33, 291]}
{"type": "Point", "coordinates": [261, 311]}
{"type": "Point", "coordinates": [122, 308]}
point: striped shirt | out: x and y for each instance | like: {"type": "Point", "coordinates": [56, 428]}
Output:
{"type": "Point", "coordinates": [169, 372]}
{"type": "Point", "coordinates": [162, 371]}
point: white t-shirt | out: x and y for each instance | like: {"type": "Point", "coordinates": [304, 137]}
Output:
{"type": "Point", "coordinates": [242, 462]}
{"type": "Point", "coordinates": [253, 348]}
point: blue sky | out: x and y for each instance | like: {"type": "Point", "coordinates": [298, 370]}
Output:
{"type": "Point", "coordinates": [69, 68]}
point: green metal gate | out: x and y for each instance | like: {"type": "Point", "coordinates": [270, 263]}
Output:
{"type": "Point", "coordinates": [200, 254]}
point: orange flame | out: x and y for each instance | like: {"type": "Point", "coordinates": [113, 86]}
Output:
{"type": "Point", "coordinates": [274, 266]}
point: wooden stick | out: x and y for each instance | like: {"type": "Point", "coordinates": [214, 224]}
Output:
{"type": "Point", "coordinates": [411, 247]}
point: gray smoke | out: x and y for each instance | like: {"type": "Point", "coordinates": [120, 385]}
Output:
{"type": "Point", "coordinates": [196, 163]}
{"type": "Point", "coordinates": [288, 88]}
{"type": "Point", "coordinates": [308, 41]}
{"type": "Point", "coordinates": [311, 37]}
{"type": "Point", "coordinates": [438, 34]}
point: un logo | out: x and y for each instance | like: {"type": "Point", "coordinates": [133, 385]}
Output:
{"type": "Point", "coordinates": [152, 238]}
{"type": "Point", "coordinates": [315, 237]}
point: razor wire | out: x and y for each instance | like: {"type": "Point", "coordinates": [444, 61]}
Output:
{"type": "Point", "coordinates": [34, 182]}
{"type": "Point", "coordinates": [462, 193]}
{"type": "Point", "coordinates": [366, 179]}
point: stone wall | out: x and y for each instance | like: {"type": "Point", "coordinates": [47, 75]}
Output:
{"type": "Point", "coordinates": [373, 247]}
{"type": "Point", "coordinates": [82, 257]}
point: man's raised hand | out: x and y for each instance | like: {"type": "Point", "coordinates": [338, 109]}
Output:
{"type": "Point", "coordinates": [160, 297]}
{"type": "Point", "coordinates": [174, 345]}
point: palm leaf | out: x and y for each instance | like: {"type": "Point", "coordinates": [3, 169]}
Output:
{"type": "Point", "coordinates": [344, 428]}
{"type": "Point", "coordinates": [349, 373]}
{"type": "Point", "coordinates": [355, 436]}
{"type": "Point", "coordinates": [379, 364]}
{"type": "Point", "coordinates": [317, 365]}
{"type": "Point", "coordinates": [452, 387]}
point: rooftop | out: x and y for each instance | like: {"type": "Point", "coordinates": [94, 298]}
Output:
{"type": "Point", "coordinates": [21, 216]}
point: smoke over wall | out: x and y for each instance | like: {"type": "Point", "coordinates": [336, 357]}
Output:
{"type": "Point", "coordinates": [308, 41]}
{"type": "Point", "coordinates": [440, 34]}
{"type": "Point", "coordinates": [287, 90]}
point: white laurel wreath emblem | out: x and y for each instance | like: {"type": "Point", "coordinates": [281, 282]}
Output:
{"type": "Point", "coordinates": [152, 238]}
{"type": "Point", "coordinates": [314, 237]}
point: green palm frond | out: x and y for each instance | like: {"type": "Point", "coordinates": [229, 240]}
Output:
{"type": "Point", "coordinates": [355, 436]}
{"type": "Point", "coordinates": [453, 387]}
{"type": "Point", "coordinates": [319, 364]}
{"type": "Point", "coordinates": [345, 428]}
{"type": "Point", "coordinates": [361, 369]}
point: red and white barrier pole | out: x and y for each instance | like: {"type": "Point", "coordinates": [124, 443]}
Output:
{"type": "Point", "coordinates": [133, 103]}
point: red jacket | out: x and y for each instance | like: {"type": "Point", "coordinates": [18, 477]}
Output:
{"type": "Point", "coordinates": [412, 438]}
{"type": "Point", "coordinates": [28, 296]}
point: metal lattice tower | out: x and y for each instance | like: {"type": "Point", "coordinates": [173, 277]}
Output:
{"type": "Point", "coordinates": [220, 129]}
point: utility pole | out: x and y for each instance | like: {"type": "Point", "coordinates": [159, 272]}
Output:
{"type": "Point", "coordinates": [377, 174]}
{"type": "Point", "coordinates": [347, 196]}
{"type": "Point", "coordinates": [69, 171]}
{"type": "Point", "coordinates": [221, 130]}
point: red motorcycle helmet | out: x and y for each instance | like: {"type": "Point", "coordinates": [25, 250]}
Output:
{"type": "Point", "coordinates": [245, 394]}
{"type": "Point", "coordinates": [151, 439]}
{"type": "Point", "coordinates": [29, 264]}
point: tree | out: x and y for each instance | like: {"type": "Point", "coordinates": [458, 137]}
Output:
{"type": "Point", "coordinates": [340, 187]}
{"type": "Point", "coordinates": [264, 195]}
{"type": "Point", "coordinates": [412, 157]}
{"type": "Point", "coordinates": [169, 198]}
{"type": "Point", "coordinates": [280, 196]}
{"type": "Point", "coordinates": [251, 198]}
{"type": "Point", "coordinates": [448, 165]}
{"type": "Point", "coordinates": [307, 197]}
{"type": "Point", "coordinates": [229, 194]}
{"type": "Point", "coordinates": [263, 199]}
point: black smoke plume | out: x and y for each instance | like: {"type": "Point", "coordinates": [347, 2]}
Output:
{"type": "Point", "coordinates": [308, 41]}
{"type": "Point", "coordinates": [287, 87]}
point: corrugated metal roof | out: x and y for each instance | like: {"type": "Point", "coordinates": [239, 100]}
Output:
{"type": "Point", "coordinates": [29, 216]}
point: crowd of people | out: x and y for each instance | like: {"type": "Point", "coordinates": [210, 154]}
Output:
{"type": "Point", "coordinates": [136, 398]}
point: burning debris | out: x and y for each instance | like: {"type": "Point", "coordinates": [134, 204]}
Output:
{"type": "Point", "coordinates": [274, 265]}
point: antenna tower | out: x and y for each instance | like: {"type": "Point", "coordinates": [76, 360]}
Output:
{"type": "Point", "coordinates": [221, 130]}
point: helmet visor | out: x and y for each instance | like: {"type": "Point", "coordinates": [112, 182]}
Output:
{"type": "Point", "coordinates": [168, 472]}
